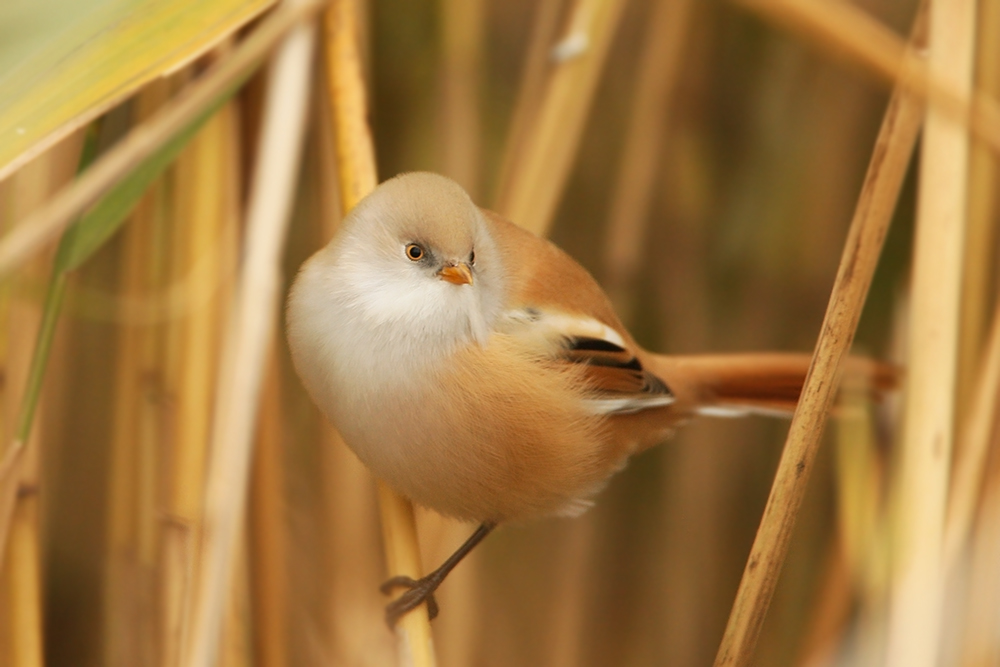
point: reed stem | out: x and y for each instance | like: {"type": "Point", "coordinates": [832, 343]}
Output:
{"type": "Point", "coordinates": [862, 248]}
{"type": "Point", "coordinates": [920, 504]}
{"type": "Point", "coordinates": [248, 336]}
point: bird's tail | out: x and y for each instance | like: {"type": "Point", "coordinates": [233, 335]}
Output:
{"type": "Point", "coordinates": [763, 383]}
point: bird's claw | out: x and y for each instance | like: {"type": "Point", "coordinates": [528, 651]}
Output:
{"type": "Point", "coordinates": [420, 591]}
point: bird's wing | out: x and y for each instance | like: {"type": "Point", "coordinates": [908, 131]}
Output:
{"type": "Point", "coordinates": [614, 375]}
{"type": "Point", "coordinates": [552, 297]}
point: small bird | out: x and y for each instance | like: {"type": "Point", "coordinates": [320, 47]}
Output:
{"type": "Point", "coordinates": [481, 372]}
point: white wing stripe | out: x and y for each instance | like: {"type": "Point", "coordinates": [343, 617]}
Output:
{"type": "Point", "coordinates": [626, 406]}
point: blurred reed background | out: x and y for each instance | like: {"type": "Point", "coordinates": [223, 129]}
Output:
{"type": "Point", "coordinates": [702, 161]}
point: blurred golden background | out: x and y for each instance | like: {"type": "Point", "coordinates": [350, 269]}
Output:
{"type": "Point", "coordinates": [718, 162]}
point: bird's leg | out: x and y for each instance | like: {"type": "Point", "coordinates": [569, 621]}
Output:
{"type": "Point", "coordinates": [422, 589]}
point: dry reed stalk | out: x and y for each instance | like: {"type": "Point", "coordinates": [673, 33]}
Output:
{"type": "Point", "coordinates": [137, 429]}
{"type": "Point", "coordinates": [124, 585]}
{"type": "Point", "coordinates": [664, 46]}
{"type": "Point", "coordinates": [22, 581]}
{"type": "Point", "coordinates": [43, 226]}
{"type": "Point", "coordinates": [248, 335]}
{"type": "Point", "coordinates": [928, 421]}
{"type": "Point", "coordinates": [976, 626]}
{"type": "Point", "coordinates": [979, 350]}
{"type": "Point", "coordinates": [205, 247]}
{"type": "Point", "coordinates": [268, 563]}
{"type": "Point", "coordinates": [981, 234]}
{"type": "Point", "coordinates": [569, 600]}
{"type": "Point", "coordinates": [538, 176]}
{"type": "Point", "coordinates": [462, 45]}
{"type": "Point", "coordinates": [236, 642]}
{"type": "Point", "coordinates": [20, 560]}
{"type": "Point", "coordinates": [358, 177]}
{"type": "Point", "coordinates": [848, 30]}
{"type": "Point", "coordinates": [355, 147]}
{"type": "Point", "coordinates": [872, 216]}
{"type": "Point", "coordinates": [975, 435]}
{"type": "Point", "coordinates": [529, 96]}
{"type": "Point", "coordinates": [402, 555]}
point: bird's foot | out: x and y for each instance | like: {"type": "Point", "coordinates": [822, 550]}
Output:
{"type": "Point", "coordinates": [420, 591]}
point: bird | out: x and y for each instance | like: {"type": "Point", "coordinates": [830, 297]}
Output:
{"type": "Point", "coordinates": [481, 372]}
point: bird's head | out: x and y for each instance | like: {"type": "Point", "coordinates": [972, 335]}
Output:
{"type": "Point", "coordinates": [416, 255]}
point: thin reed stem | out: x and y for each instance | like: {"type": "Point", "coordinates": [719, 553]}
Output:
{"type": "Point", "coordinates": [975, 436]}
{"type": "Point", "coordinates": [248, 336]}
{"type": "Point", "coordinates": [848, 30]}
{"type": "Point", "coordinates": [135, 432]}
{"type": "Point", "coordinates": [13, 461]}
{"type": "Point", "coordinates": [662, 52]}
{"type": "Point", "coordinates": [876, 203]}
{"type": "Point", "coordinates": [460, 119]}
{"type": "Point", "coordinates": [917, 597]}
{"type": "Point", "coordinates": [538, 179]}
{"type": "Point", "coordinates": [268, 562]}
{"type": "Point", "coordinates": [978, 288]}
{"type": "Point", "coordinates": [205, 235]}
{"type": "Point", "coordinates": [529, 95]}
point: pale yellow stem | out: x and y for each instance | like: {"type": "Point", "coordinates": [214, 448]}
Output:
{"type": "Point", "coordinates": [248, 336]}
{"type": "Point", "coordinates": [916, 605]}
{"type": "Point", "coordinates": [538, 178]}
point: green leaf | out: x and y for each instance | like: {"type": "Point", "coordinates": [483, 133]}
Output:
{"type": "Point", "coordinates": [96, 226]}
{"type": "Point", "coordinates": [64, 63]}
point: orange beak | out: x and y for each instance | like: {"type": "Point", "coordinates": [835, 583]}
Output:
{"type": "Point", "coordinates": [456, 274]}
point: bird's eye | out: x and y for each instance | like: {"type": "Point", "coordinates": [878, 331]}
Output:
{"type": "Point", "coordinates": [472, 257]}
{"type": "Point", "coordinates": [414, 252]}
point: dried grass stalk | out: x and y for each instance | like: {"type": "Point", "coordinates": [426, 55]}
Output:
{"type": "Point", "coordinates": [206, 242]}
{"type": "Point", "coordinates": [22, 638]}
{"type": "Point", "coordinates": [849, 31]}
{"type": "Point", "coordinates": [26, 339]}
{"type": "Point", "coordinates": [979, 352]}
{"type": "Point", "coordinates": [248, 336]}
{"type": "Point", "coordinates": [355, 149]}
{"type": "Point", "coordinates": [975, 436]}
{"type": "Point", "coordinates": [268, 563]}
{"type": "Point", "coordinates": [529, 94]}
{"type": "Point", "coordinates": [978, 287]}
{"type": "Point", "coordinates": [976, 624]}
{"type": "Point", "coordinates": [538, 176]}
{"type": "Point", "coordinates": [917, 597]}
{"type": "Point", "coordinates": [871, 220]}
{"type": "Point", "coordinates": [462, 43]}
{"type": "Point", "coordinates": [663, 49]}
{"type": "Point", "coordinates": [138, 429]}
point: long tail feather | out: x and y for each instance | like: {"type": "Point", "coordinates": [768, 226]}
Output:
{"type": "Point", "coordinates": [765, 382]}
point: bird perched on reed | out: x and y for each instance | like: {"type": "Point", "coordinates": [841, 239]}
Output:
{"type": "Point", "coordinates": [482, 372]}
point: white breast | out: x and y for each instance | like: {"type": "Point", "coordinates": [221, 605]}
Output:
{"type": "Point", "coordinates": [364, 337]}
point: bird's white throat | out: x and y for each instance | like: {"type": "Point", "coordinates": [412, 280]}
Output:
{"type": "Point", "coordinates": [363, 319]}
